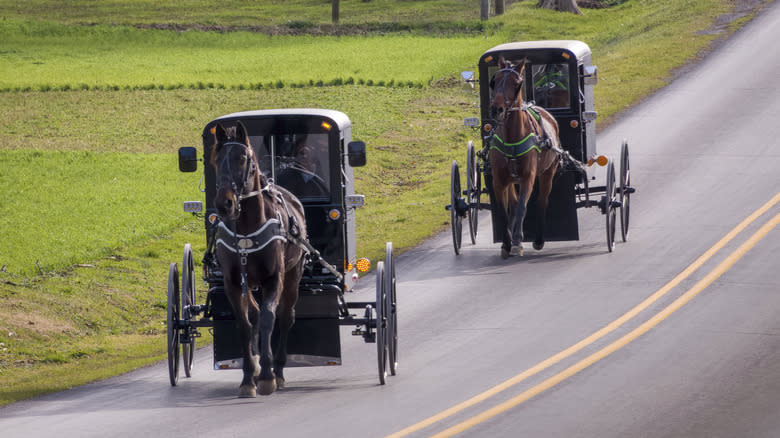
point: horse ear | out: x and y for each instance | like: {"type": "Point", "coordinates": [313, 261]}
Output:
{"type": "Point", "coordinates": [241, 136]}
{"type": "Point", "coordinates": [220, 134]}
{"type": "Point", "coordinates": [502, 64]}
{"type": "Point", "coordinates": [521, 67]}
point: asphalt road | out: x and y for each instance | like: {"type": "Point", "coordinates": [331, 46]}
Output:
{"type": "Point", "coordinates": [675, 334]}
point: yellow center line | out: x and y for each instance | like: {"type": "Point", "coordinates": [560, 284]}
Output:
{"type": "Point", "coordinates": [552, 360]}
{"type": "Point", "coordinates": [620, 343]}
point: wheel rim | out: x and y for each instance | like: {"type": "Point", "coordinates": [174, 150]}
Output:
{"type": "Point", "coordinates": [472, 176]}
{"type": "Point", "coordinates": [457, 223]}
{"type": "Point", "coordinates": [625, 197]}
{"type": "Point", "coordinates": [381, 323]}
{"type": "Point", "coordinates": [173, 318]}
{"type": "Point", "coordinates": [611, 196]}
{"type": "Point", "coordinates": [392, 317]}
{"type": "Point", "coordinates": [187, 300]}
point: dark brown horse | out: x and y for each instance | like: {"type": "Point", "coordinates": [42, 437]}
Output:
{"type": "Point", "coordinates": [522, 152]}
{"type": "Point", "coordinates": [257, 248]}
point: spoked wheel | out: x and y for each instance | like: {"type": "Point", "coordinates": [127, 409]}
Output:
{"type": "Point", "coordinates": [187, 300]}
{"type": "Point", "coordinates": [625, 190]}
{"type": "Point", "coordinates": [474, 187]}
{"type": "Point", "coordinates": [173, 319]}
{"type": "Point", "coordinates": [611, 197]}
{"type": "Point", "coordinates": [392, 316]}
{"type": "Point", "coordinates": [381, 323]}
{"type": "Point", "coordinates": [457, 219]}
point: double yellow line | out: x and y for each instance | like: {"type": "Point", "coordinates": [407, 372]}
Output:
{"type": "Point", "coordinates": [611, 348]}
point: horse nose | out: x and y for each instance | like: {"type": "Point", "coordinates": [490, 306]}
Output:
{"type": "Point", "coordinates": [225, 204]}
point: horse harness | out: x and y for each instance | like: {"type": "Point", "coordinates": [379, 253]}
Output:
{"type": "Point", "coordinates": [273, 229]}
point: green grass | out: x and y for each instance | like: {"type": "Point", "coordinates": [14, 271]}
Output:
{"type": "Point", "coordinates": [46, 56]}
{"type": "Point", "coordinates": [274, 15]}
{"type": "Point", "coordinates": [87, 154]}
{"type": "Point", "coordinates": [68, 207]}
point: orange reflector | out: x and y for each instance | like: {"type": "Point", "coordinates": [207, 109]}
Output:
{"type": "Point", "coordinates": [334, 214]}
{"type": "Point", "coordinates": [213, 130]}
{"type": "Point", "coordinates": [348, 266]}
{"type": "Point", "coordinates": [488, 127]}
{"type": "Point", "coordinates": [363, 264]}
{"type": "Point", "coordinates": [326, 125]}
{"type": "Point", "coordinates": [565, 55]}
{"type": "Point", "coordinates": [489, 58]}
{"type": "Point", "coordinates": [574, 123]}
{"type": "Point", "coordinates": [212, 218]}
{"type": "Point", "coordinates": [602, 160]}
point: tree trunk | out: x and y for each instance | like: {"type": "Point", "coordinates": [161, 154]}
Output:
{"type": "Point", "coordinates": [334, 11]}
{"type": "Point", "coordinates": [484, 9]}
{"type": "Point", "coordinates": [499, 7]}
{"type": "Point", "coordinates": [560, 5]}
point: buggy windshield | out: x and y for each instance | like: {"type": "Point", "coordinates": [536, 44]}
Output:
{"type": "Point", "coordinates": [296, 161]}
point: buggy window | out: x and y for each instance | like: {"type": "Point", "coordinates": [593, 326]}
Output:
{"type": "Point", "coordinates": [297, 162]}
{"type": "Point", "coordinates": [551, 85]}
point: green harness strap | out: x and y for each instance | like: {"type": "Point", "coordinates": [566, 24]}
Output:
{"type": "Point", "coordinates": [515, 150]}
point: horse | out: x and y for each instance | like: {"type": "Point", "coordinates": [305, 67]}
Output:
{"type": "Point", "coordinates": [258, 246]}
{"type": "Point", "coordinates": [523, 151]}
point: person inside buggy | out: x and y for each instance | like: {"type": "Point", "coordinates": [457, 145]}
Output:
{"type": "Point", "coordinates": [551, 85]}
{"type": "Point", "coordinates": [300, 163]}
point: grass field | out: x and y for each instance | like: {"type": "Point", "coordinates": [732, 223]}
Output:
{"type": "Point", "coordinates": [96, 97]}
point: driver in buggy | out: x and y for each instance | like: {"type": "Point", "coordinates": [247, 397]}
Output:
{"type": "Point", "coordinates": [551, 85]}
{"type": "Point", "coordinates": [298, 168]}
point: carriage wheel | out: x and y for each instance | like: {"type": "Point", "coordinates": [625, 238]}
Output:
{"type": "Point", "coordinates": [381, 323]}
{"type": "Point", "coordinates": [625, 190]}
{"type": "Point", "coordinates": [187, 300]}
{"type": "Point", "coordinates": [173, 319]}
{"type": "Point", "coordinates": [611, 197]}
{"type": "Point", "coordinates": [392, 316]}
{"type": "Point", "coordinates": [457, 220]}
{"type": "Point", "coordinates": [474, 188]}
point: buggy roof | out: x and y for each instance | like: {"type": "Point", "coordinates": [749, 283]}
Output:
{"type": "Point", "coordinates": [339, 118]}
{"type": "Point", "coordinates": [580, 50]}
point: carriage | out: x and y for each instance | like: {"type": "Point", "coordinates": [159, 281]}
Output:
{"type": "Point", "coordinates": [557, 77]}
{"type": "Point", "coordinates": [310, 153]}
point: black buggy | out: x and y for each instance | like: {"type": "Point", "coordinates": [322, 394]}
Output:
{"type": "Point", "coordinates": [559, 78]}
{"type": "Point", "coordinates": [311, 153]}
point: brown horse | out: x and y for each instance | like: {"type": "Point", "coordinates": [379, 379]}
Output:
{"type": "Point", "coordinates": [522, 151]}
{"type": "Point", "coordinates": [258, 247]}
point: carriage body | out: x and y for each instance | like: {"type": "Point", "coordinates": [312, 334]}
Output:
{"type": "Point", "coordinates": [559, 78]}
{"type": "Point", "coordinates": [310, 152]}
{"type": "Point", "coordinates": [304, 151]}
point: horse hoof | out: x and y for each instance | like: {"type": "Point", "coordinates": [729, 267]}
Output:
{"type": "Point", "coordinates": [504, 253]}
{"type": "Point", "coordinates": [280, 383]}
{"type": "Point", "coordinates": [247, 391]}
{"type": "Point", "coordinates": [266, 387]}
{"type": "Point", "coordinates": [538, 245]}
{"type": "Point", "coordinates": [517, 250]}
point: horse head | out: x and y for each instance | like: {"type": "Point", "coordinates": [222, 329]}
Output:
{"type": "Point", "coordinates": [507, 84]}
{"type": "Point", "coordinates": [238, 175]}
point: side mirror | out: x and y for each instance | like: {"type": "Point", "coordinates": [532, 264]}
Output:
{"type": "Point", "coordinates": [188, 159]}
{"type": "Point", "coordinates": [468, 77]}
{"type": "Point", "coordinates": [356, 153]}
{"type": "Point", "coordinates": [591, 75]}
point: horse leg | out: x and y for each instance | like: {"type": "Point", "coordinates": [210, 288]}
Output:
{"type": "Point", "coordinates": [545, 187]}
{"type": "Point", "coordinates": [286, 315]}
{"type": "Point", "coordinates": [245, 313]}
{"type": "Point", "coordinates": [525, 186]}
{"type": "Point", "coordinates": [503, 197]}
{"type": "Point", "coordinates": [266, 381]}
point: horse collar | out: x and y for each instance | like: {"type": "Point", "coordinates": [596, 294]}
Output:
{"type": "Point", "coordinates": [273, 229]}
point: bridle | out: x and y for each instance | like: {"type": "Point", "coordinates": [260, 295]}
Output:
{"type": "Point", "coordinates": [502, 86]}
{"type": "Point", "coordinates": [226, 173]}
